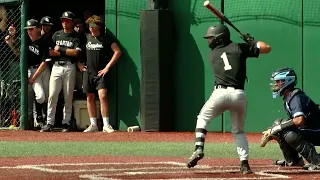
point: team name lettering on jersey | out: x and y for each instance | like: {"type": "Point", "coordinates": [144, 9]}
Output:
{"type": "Point", "coordinates": [34, 50]}
{"type": "Point", "coordinates": [64, 43]}
{"type": "Point", "coordinates": [96, 46]}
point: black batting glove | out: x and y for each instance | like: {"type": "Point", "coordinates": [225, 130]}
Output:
{"type": "Point", "coordinates": [247, 38]}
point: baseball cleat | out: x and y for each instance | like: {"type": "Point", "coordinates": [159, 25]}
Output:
{"type": "Point", "coordinates": [47, 128]}
{"type": "Point", "coordinates": [65, 128]}
{"type": "Point", "coordinates": [195, 157]}
{"type": "Point", "coordinates": [245, 168]}
{"type": "Point", "coordinates": [311, 167]}
{"type": "Point", "coordinates": [285, 163]}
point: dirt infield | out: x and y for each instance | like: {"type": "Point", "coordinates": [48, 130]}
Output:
{"type": "Point", "coordinates": [119, 136]}
{"type": "Point", "coordinates": [106, 167]}
{"type": "Point", "coordinates": [116, 167]}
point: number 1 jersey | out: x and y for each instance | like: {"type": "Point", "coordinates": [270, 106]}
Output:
{"type": "Point", "coordinates": [229, 63]}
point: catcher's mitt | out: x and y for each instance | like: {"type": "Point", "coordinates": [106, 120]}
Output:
{"type": "Point", "coordinates": [266, 137]}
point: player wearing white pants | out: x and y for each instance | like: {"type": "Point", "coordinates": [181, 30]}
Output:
{"type": "Point", "coordinates": [38, 90]}
{"type": "Point", "coordinates": [38, 71]}
{"type": "Point", "coordinates": [228, 61]}
{"type": "Point", "coordinates": [66, 45]}
{"type": "Point", "coordinates": [62, 77]}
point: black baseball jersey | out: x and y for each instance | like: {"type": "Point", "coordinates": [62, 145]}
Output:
{"type": "Point", "coordinates": [38, 52]}
{"type": "Point", "coordinates": [47, 37]}
{"type": "Point", "coordinates": [229, 63]}
{"type": "Point", "coordinates": [68, 40]}
{"type": "Point", "coordinates": [82, 38]}
{"type": "Point", "coordinates": [299, 104]}
{"type": "Point", "coordinates": [99, 52]}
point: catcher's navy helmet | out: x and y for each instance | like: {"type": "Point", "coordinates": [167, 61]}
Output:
{"type": "Point", "coordinates": [282, 79]}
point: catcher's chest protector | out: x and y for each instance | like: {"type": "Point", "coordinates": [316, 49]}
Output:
{"type": "Point", "coordinates": [287, 102]}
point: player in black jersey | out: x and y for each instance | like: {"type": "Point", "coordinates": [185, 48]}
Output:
{"type": "Point", "coordinates": [102, 54]}
{"type": "Point", "coordinates": [38, 70]}
{"type": "Point", "coordinates": [66, 50]}
{"type": "Point", "coordinates": [228, 61]}
{"type": "Point", "coordinates": [46, 27]}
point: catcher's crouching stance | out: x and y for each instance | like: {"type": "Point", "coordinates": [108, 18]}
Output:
{"type": "Point", "coordinates": [298, 134]}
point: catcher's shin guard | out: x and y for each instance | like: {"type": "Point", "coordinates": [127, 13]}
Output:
{"type": "Point", "coordinates": [290, 153]}
{"type": "Point", "coordinates": [305, 148]}
{"type": "Point", "coordinates": [308, 151]}
{"type": "Point", "coordinates": [291, 156]}
{"type": "Point", "coordinates": [195, 157]}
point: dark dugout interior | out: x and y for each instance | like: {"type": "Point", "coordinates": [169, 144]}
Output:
{"type": "Point", "coordinates": [55, 9]}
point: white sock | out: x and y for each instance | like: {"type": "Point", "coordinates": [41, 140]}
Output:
{"type": "Point", "coordinates": [105, 121]}
{"type": "Point", "coordinates": [93, 121]}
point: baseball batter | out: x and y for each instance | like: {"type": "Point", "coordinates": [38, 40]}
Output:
{"type": "Point", "coordinates": [301, 131]}
{"type": "Point", "coordinates": [38, 70]}
{"type": "Point", "coordinates": [66, 45]}
{"type": "Point", "coordinates": [228, 61]}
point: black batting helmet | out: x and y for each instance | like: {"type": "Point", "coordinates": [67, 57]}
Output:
{"type": "Point", "coordinates": [68, 15]}
{"type": "Point", "coordinates": [46, 20]}
{"type": "Point", "coordinates": [32, 23]}
{"type": "Point", "coordinates": [220, 34]}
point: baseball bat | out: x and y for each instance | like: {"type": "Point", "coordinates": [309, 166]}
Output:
{"type": "Point", "coordinates": [221, 16]}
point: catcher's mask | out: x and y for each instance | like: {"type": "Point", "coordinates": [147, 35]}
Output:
{"type": "Point", "coordinates": [217, 35]}
{"type": "Point", "coordinates": [281, 80]}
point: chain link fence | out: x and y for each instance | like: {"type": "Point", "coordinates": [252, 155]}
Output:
{"type": "Point", "coordinates": [10, 27]}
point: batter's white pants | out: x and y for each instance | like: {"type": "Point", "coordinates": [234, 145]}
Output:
{"type": "Point", "coordinates": [39, 90]}
{"type": "Point", "coordinates": [62, 77]}
{"type": "Point", "coordinates": [235, 101]}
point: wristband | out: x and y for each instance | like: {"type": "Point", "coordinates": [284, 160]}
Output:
{"type": "Point", "coordinates": [252, 42]}
{"type": "Point", "coordinates": [62, 50]}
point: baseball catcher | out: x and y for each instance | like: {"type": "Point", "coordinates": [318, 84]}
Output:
{"type": "Point", "coordinates": [297, 135]}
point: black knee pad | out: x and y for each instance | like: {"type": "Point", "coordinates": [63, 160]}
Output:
{"type": "Point", "coordinates": [292, 138]}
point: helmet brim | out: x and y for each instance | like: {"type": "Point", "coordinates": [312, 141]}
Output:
{"type": "Point", "coordinates": [50, 24]}
{"type": "Point", "coordinates": [66, 18]}
{"type": "Point", "coordinates": [207, 37]}
{"type": "Point", "coordinates": [30, 27]}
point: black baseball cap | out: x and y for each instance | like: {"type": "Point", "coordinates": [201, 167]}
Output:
{"type": "Point", "coordinates": [46, 20]}
{"type": "Point", "coordinates": [67, 15]}
{"type": "Point", "coordinates": [32, 23]}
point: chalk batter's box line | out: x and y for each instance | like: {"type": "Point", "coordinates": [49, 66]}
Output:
{"type": "Point", "coordinates": [131, 171]}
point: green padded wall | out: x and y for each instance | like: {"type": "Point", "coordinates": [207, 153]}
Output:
{"type": "Point", "coordinates": [311, 34]}
{"type": "Point", "coordinates": [193, 74]}
{"type": "Point", "coordinates": [110, 20]}
{"type": "Point", "coordinates": [129, 66]}
{"type": "Point", "coordinates": [278, 23]}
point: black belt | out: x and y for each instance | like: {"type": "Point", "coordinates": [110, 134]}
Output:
{"type": "Point", "coordinates": [225, 87]}
{"type": "Point", "coordinates": [34, 66]}
{"type": "Point", "coordinates": [62, 63]}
